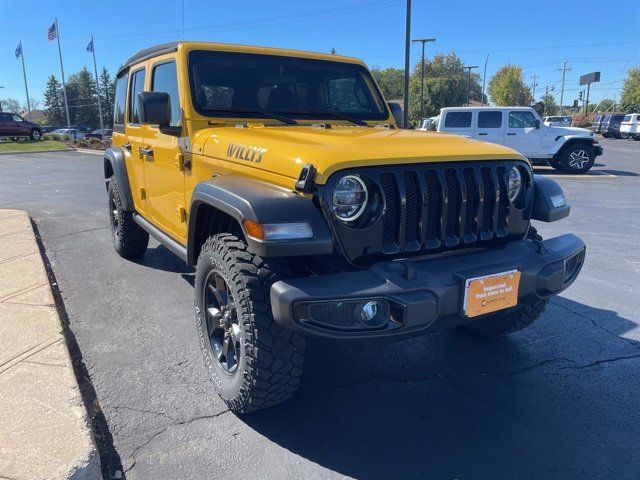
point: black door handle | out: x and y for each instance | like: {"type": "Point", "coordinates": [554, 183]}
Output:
{"type": "Point", "coordinates": [511, 134]}
{"type": "Point", "coordinates": [482, 134]}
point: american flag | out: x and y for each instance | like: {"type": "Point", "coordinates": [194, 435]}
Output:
{"type": "Point", "coordinates": [52, 32]}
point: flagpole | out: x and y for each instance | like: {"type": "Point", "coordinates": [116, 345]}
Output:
{"type": "Point", "coordinates": [24, 74]}
{"type": "Point", "coordinates": [95, 69]}
{"type": "Point", "coordinates": [64, 83]}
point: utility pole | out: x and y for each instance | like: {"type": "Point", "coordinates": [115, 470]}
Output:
{"type": "Point", "coordinates": [469, 81]}
{"type": "Point", "coordinates": [407, 47]}
{"type": "Point", "coordinates": [423, 40]}
{"type": "Point", "coordinates": [533, 90]}
{"type": "Point", "coordinates": [484, 77]}
{"type": "Point", "coordinates": [564, 73]}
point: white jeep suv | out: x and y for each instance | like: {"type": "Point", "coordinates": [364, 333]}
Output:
{"type": "Point", "coordinates": [564, 148]}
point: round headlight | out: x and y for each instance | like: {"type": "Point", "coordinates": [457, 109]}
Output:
{"type": "Point", "coordinates": [515, 183]}
{"type": "Point", "coordinates": [349, 198]}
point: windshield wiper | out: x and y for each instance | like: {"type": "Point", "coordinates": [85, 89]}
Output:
{"type": "Point", "coordinates": [340, 116]}
{"type": "Point", "coordinates": [275, 116]}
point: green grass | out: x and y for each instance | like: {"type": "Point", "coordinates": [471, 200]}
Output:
{"type": "Point", "coordinates": [30, 146]}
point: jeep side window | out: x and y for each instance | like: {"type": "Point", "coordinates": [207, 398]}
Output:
{"type": "Point", "coordinates": [17, 118]}
{"type": "Point", "coordinates": [521, 119]}
{"type": "Point", "coordinates": [489, 119]}
{"type": "Point", "coordinates": [164, 78]}
{"type": "Point", "coordinates": [137, 86]}
{"type": "Point", "coordinates": [120, 103]}
{"type": "Point", "coordinates": [458, 119]}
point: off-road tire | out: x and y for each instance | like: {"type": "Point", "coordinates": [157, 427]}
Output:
{"type": "Point", "coordinates": [129, 239]}
{"type": "Point", "coordinates": [578, 158]}
{"type": "Point", "coordinates": [635, 137]}
{"type": "Point", "coordinates": [271, 358]}
{"type": "Point", "coordinates": [36, 134]}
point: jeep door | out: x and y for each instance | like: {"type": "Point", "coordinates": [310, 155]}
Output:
{"type": "Point", "coordinates": [4, 126]}
{"type": "Point", "coordinates": [20, 126]}
{"type": "Point", "coordinates": [134, 134]}
{"type": "Point", "coordinates": [490, 126]}
{"type": "Point", "coordinates": [164, 172]}
{"type": "Point", "coordinates": [524, 133]}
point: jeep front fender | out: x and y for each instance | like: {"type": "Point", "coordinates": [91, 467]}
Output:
{"type": "Point", "coordinates": [563, 141]}
{"type": "Point", "coordinates": [114, 164]}
{"type": "Point", "coordinates": [264, 203]}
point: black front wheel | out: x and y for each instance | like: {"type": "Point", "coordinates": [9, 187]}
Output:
{"type": "Point", "coordinates": [36, 134]}
{"type": "Point", "coordinates": [254, 364]}
{"type": "Point", "coordinates": [578, 158]}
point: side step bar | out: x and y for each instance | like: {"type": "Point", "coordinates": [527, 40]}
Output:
{"type": "Point", "coordinates": [162, 237]}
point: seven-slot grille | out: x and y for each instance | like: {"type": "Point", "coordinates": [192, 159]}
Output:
{"type": "Point", "coordinates": [445, 207]}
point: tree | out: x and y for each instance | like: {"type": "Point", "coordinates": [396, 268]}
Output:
{"type": "Point", "coordinates": [390, 81]}
{"type": "Point", "coordinates": [550, 107]}
{"type": "Point", "coordinates": [507, 87]}
{"type": "Point", "coordinates": [10, 105]}
{"type": "Point", "coordinates": [630, 100]}
{"type": "Point", "coordinates": [54, 103]}
{"type": "Point", "coordinates": [107, 92]}
{"type": "Point", "coordinates": [83, 99]}
{"type": "Point", "coordinates": [605, 105]}
{"type": "Point", "coordinates": [445, 85]}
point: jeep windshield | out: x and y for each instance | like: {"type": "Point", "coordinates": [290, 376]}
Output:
{"type": "Point", "coordinates": [246, 85]}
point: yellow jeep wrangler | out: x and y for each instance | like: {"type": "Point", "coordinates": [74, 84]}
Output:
{"type": "Point", "coordinates": [281, 176]}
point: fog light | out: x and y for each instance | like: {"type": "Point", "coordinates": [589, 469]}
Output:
{"type": "Point", "coordinates": [374, 313]}
{"type": "Point", "coordinates": [369, 311]}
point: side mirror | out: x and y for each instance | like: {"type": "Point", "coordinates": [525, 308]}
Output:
{"type": "Point", "coordinates": [396, 111]}
{"type": "Point", "coordinates": [537, 123]}
{"type": "Point", "coordinates": [155, 109]}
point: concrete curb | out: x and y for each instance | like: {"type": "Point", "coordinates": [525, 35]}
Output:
{"type": "Point", "coordinates": [38, 151]}
{"type": "Point", "coordinates": [44, 427]}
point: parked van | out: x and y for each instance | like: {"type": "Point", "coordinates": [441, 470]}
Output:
{"type": "Point", "coordinates": [597, 124]}
{"type": "Point", "coordinates": [611, 125]}
{"type": "Point", "coordinates": [564, 148]}
{"type": "Point", "coordinates": [630, 126]}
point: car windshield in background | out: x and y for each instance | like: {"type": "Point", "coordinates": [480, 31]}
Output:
{"type": "Point", "coordinates": [250, 85]}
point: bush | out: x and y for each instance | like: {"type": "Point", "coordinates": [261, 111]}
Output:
{"type": "Point", "coordinates": [94, 141]}
{"type": "Point", "coordinates": [47, 136]}
{"type": "Point", "coordinates": [65, 138]}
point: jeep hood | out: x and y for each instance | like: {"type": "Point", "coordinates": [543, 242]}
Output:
{"type": "Point", "coordinates": [573, 131]}
{"type": "Point", "coordinates": [285, 149]}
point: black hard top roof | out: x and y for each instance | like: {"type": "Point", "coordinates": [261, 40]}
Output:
{"type": "Point", "coordinates": [149, 53]}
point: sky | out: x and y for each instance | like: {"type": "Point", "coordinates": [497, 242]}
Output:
{"type": "Point", "coordinates": [539, 36]}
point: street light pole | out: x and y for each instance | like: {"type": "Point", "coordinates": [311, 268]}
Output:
{"type": "Point", "coordinates": [423, 40]}
{"type": "Point", "coordinates": [407, 47]}
{"type": "Point", "coordinates": [469, 81]}
{"type": "Point", "coordinates": [484, 77]}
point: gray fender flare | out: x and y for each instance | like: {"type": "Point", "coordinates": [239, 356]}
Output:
{"type": "Point", "coordinates": [264, 203]}
{"type": "Point", "coordinates": [114, 160]}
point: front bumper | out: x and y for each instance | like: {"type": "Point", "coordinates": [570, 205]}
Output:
{"type": "Point", "coordinates": [422, 294]}
{"type": "Point", "coordinates": [597, 149]}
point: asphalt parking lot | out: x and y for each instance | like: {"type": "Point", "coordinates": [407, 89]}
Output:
{"type": "Point", "coordinates": [559, 400]}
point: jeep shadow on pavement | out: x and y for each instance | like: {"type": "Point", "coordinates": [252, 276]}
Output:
{"type": "Point", "coordinates": [282, 177]}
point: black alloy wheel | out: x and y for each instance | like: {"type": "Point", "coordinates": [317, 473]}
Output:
{"type": "Point", "coordinates": [223, 327]}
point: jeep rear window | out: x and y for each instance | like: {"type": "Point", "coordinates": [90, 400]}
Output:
{"type": "Point", "coordinates": [458, 119]}
{"type": "Point", "coordinates": [120, 103]}
{"type": "Point", "coordinates": [302, 88]}
{"type": "Point", "coordinates": [490, 119]}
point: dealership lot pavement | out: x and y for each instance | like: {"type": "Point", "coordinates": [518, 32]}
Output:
{"type": "Point", "coordinates": [558, 400]}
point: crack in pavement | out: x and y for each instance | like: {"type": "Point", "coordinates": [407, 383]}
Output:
{"type": "Point", "coordinates": [133, 455]}
{"type": "Point", "coordinates": [142, 410]}
{"type": "Point", "coordinates": [417, 380]}
{"type": "Point", "coordinates": [597, 325]}
{"type": "Point", "coordinates": [601, 362]}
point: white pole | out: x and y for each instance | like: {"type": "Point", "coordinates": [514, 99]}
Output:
{"type": "Point", "coordinates": [95, 69]}
{"type": "Point", "coordinates": [64, 83]}
{"type": "Point", "coordinates": [484, 77]}
{"type": "Point", "coordinates": [24, 74]}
